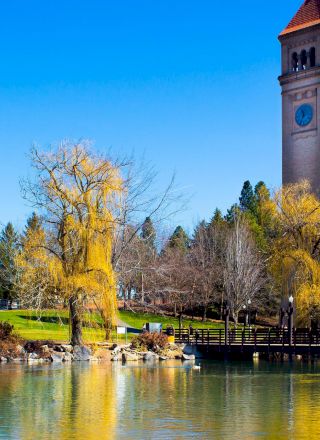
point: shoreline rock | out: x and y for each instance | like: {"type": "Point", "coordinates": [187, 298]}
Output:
{"type": "Point", "coordinates": [34, 352]}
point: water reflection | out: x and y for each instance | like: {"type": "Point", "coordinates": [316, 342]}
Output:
{"type": "Point", "coordinates": [103, 401]}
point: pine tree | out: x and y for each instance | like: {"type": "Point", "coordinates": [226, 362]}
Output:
{"type": "Point", "coordinates": [247, 198]}
{"type": "Point", "coordinates": [261, 188]}
{"type": "Point", "coordinates": [148, 233]}
{"type": "Point", "coordinates": [217, 217]}
{"type": "Point", "coordinates": [232, 213]}
{"type": "Point", "coordinates": [34, 223]}
{"type": "Point", "coordinates": [179, 240]}
{"type": "Point", "coordinates": [9, 245]}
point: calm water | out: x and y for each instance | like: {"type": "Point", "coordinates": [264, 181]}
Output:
{"type": "Point", "coordinates": [103, 401]}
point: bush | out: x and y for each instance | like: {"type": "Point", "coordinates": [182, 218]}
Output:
{"type": "Point", "coordinates": [9, 341]}
{"type": "Point", "coordinates": [6, 330]}
{"type": "Point", "coordinates": [150, 341]}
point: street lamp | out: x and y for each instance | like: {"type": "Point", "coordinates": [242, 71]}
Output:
{"type": "Point", "coordinates": [290, 319]}
{"type": "Point", "coordinates": [249, 312]}
{"type": "Point", "coordinates": [245, 315]}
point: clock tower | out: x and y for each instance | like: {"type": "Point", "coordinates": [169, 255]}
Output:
{"type": "Point", "coordinates": [300, 83]}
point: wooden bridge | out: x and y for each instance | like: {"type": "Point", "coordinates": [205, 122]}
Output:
{"type": "Point", "coordinates": [246, 342]}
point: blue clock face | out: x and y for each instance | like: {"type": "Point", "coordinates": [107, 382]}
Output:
{"type": "Point", "coordinates": [304, 115]}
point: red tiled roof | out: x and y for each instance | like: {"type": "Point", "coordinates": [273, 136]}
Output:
{"type": "Point", "coordinates": [308, 15]}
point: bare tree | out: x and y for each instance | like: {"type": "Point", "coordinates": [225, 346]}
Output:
{"type": "Point", "coordinates": [206, 266]}
{"type": "Point", "coordinates": [244, 269]}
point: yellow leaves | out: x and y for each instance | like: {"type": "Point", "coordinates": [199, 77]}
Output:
{"type": "Point", "coordinates": [81, 194]}
{"type": "Point", "coordinates": [295, 253]}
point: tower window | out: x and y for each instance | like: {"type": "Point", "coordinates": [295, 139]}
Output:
{"type": "Point", "coordinates": [295, 62]}
{"type": "Point", "coordinates": [303, 59]}
{"type": "Point", "coordinates": [312, 57]}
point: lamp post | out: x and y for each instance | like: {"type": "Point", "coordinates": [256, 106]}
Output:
{"type": "Point", "coordinates": [290, 319]}
{"type": "Point", "coordinates": [249, 313]}
{"type": "Point", "coordinates": [245, 316]}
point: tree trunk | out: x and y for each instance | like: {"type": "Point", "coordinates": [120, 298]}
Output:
{"type": "Point", "coordinates": [75, 320]}
{"type": "Point", "coordinates": [108, 328]}
{"type": "Point", "coordinates": [180, 321]}
{"type": "Point", "coordinates": [221, 306]}
{"type": "Point", "coordinates": [204, 315]}
{"type": "Point", "coordinates": [235, 319]}
{"type": "Point", "coordinates": [142, 288]}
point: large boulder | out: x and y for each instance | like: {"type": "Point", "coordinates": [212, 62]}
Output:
{"type": "Point", "coordinates": [67, 348]}
{"type": "Point", "coordinates": [57, 356]}
{"type": "Point", "coordinates": [68, 357]}
{"type": "Point", "coordinates": [188, 357]}
{"type": "Point", "coordinates": [33, 356]}
{"type": "Point", "coordinates": [150, 356]}
{"type": "Point", "coordinates": [81, 353]}
{"type": "Point", "coordinates": [128, 356]}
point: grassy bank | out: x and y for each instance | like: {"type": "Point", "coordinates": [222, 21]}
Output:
{"type": "Point", "coordinates": [54, 325]}
{"type": "Point", "coordinates": [137, 320]}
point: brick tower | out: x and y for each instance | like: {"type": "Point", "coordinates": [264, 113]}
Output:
{"type": "Point", "coordinates": [300, 83]}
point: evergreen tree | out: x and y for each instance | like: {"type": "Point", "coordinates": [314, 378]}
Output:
{"type": "Point", "coordinates": [9, 246]}
{"type": "Point", "coordinates": [34, 223]}
{"type": "Point", "coordinates": [247, 198]}
{"type": "Point", "coordinates": [199, 230]}
{"type": "Point", "coordinates": [261, 188]}
{"type": "Point", "coordinates": [217, 217]}
{"type": "Point", "coordinates": [232, 213]}
{"type": "Point", "coordinates": [148, 233]}
{"type": "Point", "coordinates": [179, 240]}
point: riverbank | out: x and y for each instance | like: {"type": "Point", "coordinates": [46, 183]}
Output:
{"type": "Point", "coordinates": [37, 352]}
{"type": "Point", "coordinates": [145, 346]}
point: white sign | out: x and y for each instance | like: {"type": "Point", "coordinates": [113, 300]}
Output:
{"type": "Point", "coordinates": [121, 330]}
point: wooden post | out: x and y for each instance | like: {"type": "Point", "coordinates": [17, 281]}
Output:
{"type": "Point", "coordinates": [255, 339]}
{"type": "Point", "coordinates": [243, 338]}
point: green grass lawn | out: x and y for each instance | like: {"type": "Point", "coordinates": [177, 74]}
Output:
{"type": "Point", "coordinates": [53, 324]}
{"type": "Point", "coordinates": [137, 320]}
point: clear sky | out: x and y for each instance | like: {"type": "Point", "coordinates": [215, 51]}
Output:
{"type": "Point", "coordinates": [191, 84]}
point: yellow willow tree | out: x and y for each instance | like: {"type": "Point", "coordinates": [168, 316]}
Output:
{"type": "Point", "coordinates": [295, 259]}
{"type": "Point", "coordinates": [79, 196]}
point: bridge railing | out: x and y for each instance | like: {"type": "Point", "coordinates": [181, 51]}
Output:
{"type": "Point", "coordinates": [262, 337]}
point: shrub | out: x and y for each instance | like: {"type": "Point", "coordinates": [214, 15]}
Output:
{"type": "Point", "coordinates": [9, 341]}
{"type": "Point", "coordinates": [150, 341]}
{"type": "Point", "coordinates": [6, 330]}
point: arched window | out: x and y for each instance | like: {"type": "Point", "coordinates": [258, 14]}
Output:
{"type": "Point", "coordinates": [295, 61]}
{"type": "Point", "coordinates": [304, 59]}
{"type": "Point", "coordinates": [312, 57]}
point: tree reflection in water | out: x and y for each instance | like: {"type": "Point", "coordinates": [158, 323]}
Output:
{"type": "Point", "coordinates": [170, 401]}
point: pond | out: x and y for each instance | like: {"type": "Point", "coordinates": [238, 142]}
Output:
{"type": "Point", "coordinates": [167, 401]}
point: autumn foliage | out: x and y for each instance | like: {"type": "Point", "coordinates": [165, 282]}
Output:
{"type": "Point", "coordinates": [150, 341]}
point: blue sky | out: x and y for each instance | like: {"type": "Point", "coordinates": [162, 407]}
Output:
{"type": "Point", "coordinates": [191, 84]}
